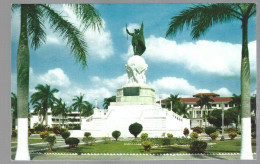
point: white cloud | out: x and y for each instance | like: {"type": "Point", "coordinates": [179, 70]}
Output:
{"type": "Point", "coordinates": [100, 44]}
{"type": "Point", "coordinates": [50, 39]}
{"type": "Point", "coordinates": [55, 77]}
{"type": "Point", "coordinates": [219, 58]}
{"type": "Point", "coordinates": [172, 85]}
{"type": "Point", "coordinates": [223, 92]}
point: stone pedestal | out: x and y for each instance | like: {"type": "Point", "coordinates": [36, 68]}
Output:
{"type": "Point", "coordinates": [135, 95]}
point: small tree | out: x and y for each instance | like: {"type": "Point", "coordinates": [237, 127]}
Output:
{"type": "Point", "coordinates": [135, 129]}
{"type": "Point", "coordinates": [198, 147]}
{"type": "Point", "coordinates": [44, 134]}
{"type": "Point", "coordinates": [210, 129]}
{"type": "Point", "coordinates": [116, 134]}
{"type": "Point", "coordinates": [57, 130]}
{"type": "Point", "coordinates": [72, 142]}
{"type": "Point", "coordinates": [186, 132]}
{"type": "Point", "coordinates": [147, 145]}
{"type": "Point", "coordinates": [194, 135]}
{"type": "Point", "coordinates": [169, 135]}
{"type": "Point", "coordinates": [65, 134]}
{"type": "Point", "coordinates": [89, 140]}
{"type": "Point", "coordinates": [144, 136]}
{"type": "Point", "coordinates": [232, 135]}
{"type": "Point", "coordinates": [198, 129]}
{"type": "Point", "coordinates": [87, 134]}
{"type": "Point", "coordinates": [214, 135]}
{"type": "Point", "coordinates": [51, 141]}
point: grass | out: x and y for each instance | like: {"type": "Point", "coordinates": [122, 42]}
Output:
{"type": "Point", "coordinates": [227, 146]}
{"type": "Point", "coordinates": [31, 141]}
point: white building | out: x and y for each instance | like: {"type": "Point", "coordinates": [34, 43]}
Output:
{"type": "Point", "coordinates": [196, 113]}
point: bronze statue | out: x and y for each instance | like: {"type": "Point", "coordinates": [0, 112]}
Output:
{"type": "Point", "coordinates": [138, 42]}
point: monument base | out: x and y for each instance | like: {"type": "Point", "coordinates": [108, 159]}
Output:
{"type": "Point", "coordinates": [135, 95]}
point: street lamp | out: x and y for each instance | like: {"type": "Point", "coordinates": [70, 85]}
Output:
{"type": "Point", "coordinates": [222, 137]}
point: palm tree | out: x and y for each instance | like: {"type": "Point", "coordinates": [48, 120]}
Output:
{"type": "Point", "coordinates": [78, 105]}
{"type": "Point", "coordinates": [236, 100]}
{"type": "Point", "coordinates": [60, 109]}
{"type": "Point", "coordinates": [204, 100]}
{"type": "Point", "coordinates": [175, 100]}
{"type": "Point", "coordinates": [39, 111]}
{"type": "Point", "coordinates": [183, 110]}
{"type": "Point", "coordinates": [203, 16]}
{"type": "Point", "coordinates": [108, 100]}
{"type": "Point", "coordinates": [44, 96]}
{"type": "Point", "coordinates": [88, 109]}
{"type": "Point", "coordinates": [33, 17]}
{"type": "Point", "coordinates": [14, 109]}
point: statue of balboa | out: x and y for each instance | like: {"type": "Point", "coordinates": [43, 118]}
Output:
{"type": "Point", "coordinates": [136, 66]}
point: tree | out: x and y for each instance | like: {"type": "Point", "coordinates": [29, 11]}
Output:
{"type": "Point", "coordinates": [44, 96]}
{"type": "Point", "coordinates": [183, 110]}
{"type": "Point", "coordinates": [175, 100]}
{"type": "Point", "coordinates": [78, 105]}
{"type": "Point", "coordinates": [215, 117]}
{"type": "Point", "coordinates": [33, 17]}
{"type": "Point", "coordinates": [135, 129]}
{"type": "Point", "coordinates": [236, 100]}
{"type": "Point", "coordinates": [87, 109]}
{"type": "Point", "coordinates": [108, 100]}
{"type": "Point", "coordinates": [14, 109]}
{"type": "Point", "coordinates": [203, 16]}
{"type": "Point", "coordinates": [60, 109]}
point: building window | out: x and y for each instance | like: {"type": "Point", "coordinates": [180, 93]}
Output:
{"type": "Point", "coordinates": [214, 105]}
{"type": "Point", "coordinates": [226, 105]}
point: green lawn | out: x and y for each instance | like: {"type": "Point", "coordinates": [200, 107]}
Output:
{"type": "Point", "coordinates": [119, 147]}
{"type": "Point", "coordinates": [31, 141]}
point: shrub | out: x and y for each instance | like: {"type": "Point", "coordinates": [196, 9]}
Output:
{"type": "Point", "coordinates": [29, 133]}
{"type": "Point", "coordinates": [51, 141]}
{"type": "Point", "coordinates": [65, 134]}
{"type": "Point", "coordinates": [198, 129]}
{"type": "Point", "coordinates": [57, 130]}
{"type": "Point", "coordinates": [144, 136]}
{"type": "Point", "coordinates": [72, 142]}
{"type": "Point", "coordinates": [253, 134]}
{"type": "Point", "coordinates": [87, 134]}
{"type": "Point", "coordinates": [198, 147]}
{"type": "Point", "coordinates": [32, 131]}
{"type": "Point", "coordinates": [214, 135]}
{"type": "Point", "coordinates": [194, 135]}
{"type": "Point", "coordinates": [239, 132]}
{"type": "Point", "coordinates": [210, 129]}
{"type": "Point", "coordinates": [169, 135]}
{"type": "Point", "coordinates": [89, 140]}
{"type": "Point", "coordinates": [116, 134]}
{"type": "Point", "coordinates": [232, 135]}
{"type": "Point", "coordinates": [231, 130]}
{"type": "Point", "coordinates": [186, 132]}
{"type": "Point", "coordinates": [14, 133]}
{"type": "Point", "coordinates": [106, 140]}
{"type": "Point", "coordinates": [135, 129]}
{"type": "Point", "coordinates": [44, 134]}
{"type": "Point", "coordinates": [147, 145]}
{"type": "Point", "coordinates": [63, 130]}
{"type": "Point", "coordinates": [166, 141]}
{"type": "Point", "coordinates": [39, 127]}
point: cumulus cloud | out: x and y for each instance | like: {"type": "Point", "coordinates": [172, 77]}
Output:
{"type": "Point", "coordinates": [55, 77]}
{"type": "Point", "coordinates": [203, 56]}
{"type": "Point", "coordinates": [99, 42]}
{"type": "Point", "coordinates": [223, 92]}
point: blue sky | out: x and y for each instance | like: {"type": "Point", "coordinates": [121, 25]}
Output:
{"type": "Point", "coordinates": [177, 65]}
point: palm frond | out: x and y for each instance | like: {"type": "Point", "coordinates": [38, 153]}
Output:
{"type": "Point", "coordinates": [36, 29]}
{"type": "Point", "coordinates": [75, 38]}
{"type": "Point", "coordinates": [200, 18]}
{"type": "Point", "coordinates": [14, 7]}
{"type": "Point", "coordinates": [88, 15]}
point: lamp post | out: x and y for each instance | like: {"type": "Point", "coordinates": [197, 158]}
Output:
{"type": "Point", "coordinates": [222, 137]}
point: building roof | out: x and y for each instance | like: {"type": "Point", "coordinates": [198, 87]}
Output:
{"type": "Point", "coordinates": [194, 99]}
{"type": "Point", "coordinates": [206, 94]}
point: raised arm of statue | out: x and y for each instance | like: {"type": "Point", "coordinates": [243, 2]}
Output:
{"type": "Point", "coordinates": [129, 33]}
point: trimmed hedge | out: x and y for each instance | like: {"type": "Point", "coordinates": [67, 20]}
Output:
{"type": "Point", "coordinates": [72, 142]}
{"type": "Point", "coordinates": [210, 129]}
{"type": "Point", "coordinates": [116, 134]}
{"type": "Point", "coordinates": [65, 135]}
{"type": "Point", "coordinates": [198, 147]}
{"type": "Point", "coordinates": [135, 129]}
{"type": "Point", "coordinates": [147, 145]}
{"type": "Point", "coordinates": [198, 129]}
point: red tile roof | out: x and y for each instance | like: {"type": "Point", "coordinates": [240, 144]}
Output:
{"type": "Point", "coordinates": [195, 99]}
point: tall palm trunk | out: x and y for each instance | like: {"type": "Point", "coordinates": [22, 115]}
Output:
{"type": "Point", "coordinates": [22, 152]}
{"type": "Point", "coordinates": [246, 147]}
